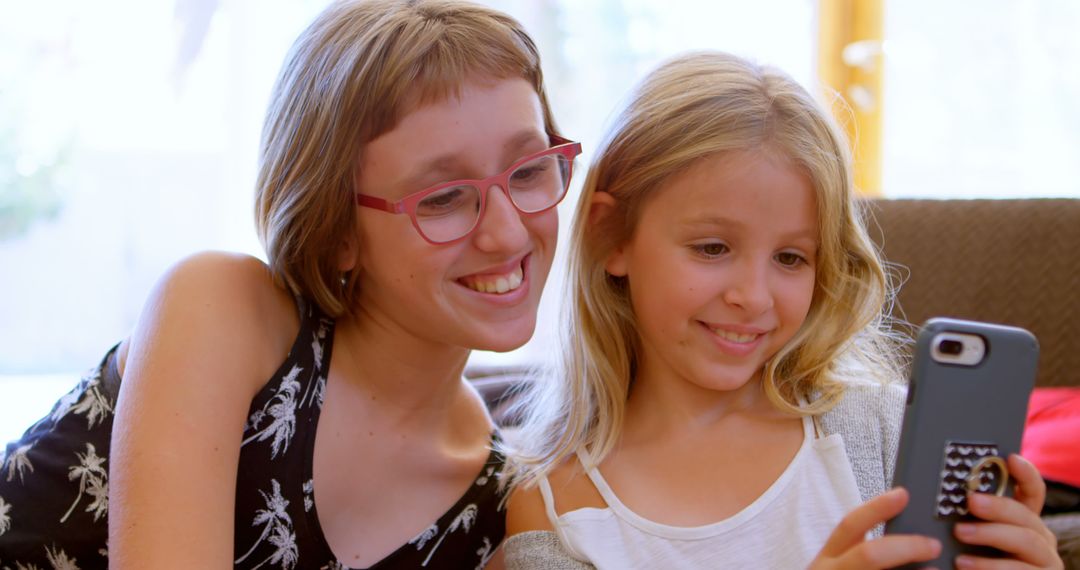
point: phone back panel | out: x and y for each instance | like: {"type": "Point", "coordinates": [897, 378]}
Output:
{"type": "Point", "coordinates": [956, 413]}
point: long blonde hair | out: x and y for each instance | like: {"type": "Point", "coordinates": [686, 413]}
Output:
{"type": "Point", "coordinates": [350, 77]}
{"type": "Point", "coordinates": [695, 106]}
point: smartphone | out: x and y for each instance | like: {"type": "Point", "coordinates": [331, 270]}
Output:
{"type": "Point", "coordinates": [966, 406]}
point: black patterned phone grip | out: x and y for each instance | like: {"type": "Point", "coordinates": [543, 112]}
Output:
{"type": "Point", "coordinates": [968, 466]}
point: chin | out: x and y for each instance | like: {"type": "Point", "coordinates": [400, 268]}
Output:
{"type": "Point", "coordinates": [506, 338]}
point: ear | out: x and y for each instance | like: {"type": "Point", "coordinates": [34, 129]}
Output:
{"type": "Point", "coordinates": [601, 206]}
{"type": "Point", "coordinates": [347, 254]}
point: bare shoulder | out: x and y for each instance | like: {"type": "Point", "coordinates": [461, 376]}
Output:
{"type": "Point", "coordinates": [214, 329]}
{"type": "Point", "coordinates": [571, 490]}
{"type": "Point", "coordinates": [525, 511]}
{"type": "Point", "coordinates": [223, 276]}
{"type": "Point", "coordinates": [219, 297]}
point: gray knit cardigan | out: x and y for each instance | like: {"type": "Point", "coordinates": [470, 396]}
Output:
{"type": "Point", "coordinates": [868, 420]}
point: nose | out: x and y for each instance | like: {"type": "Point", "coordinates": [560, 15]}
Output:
{"type": "Point", "coordinates": [501, 227]}
{"type": "Point", "coordinates": [749, 288]}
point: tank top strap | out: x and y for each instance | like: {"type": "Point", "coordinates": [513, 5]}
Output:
{"type": "Point", "coordinates": [597, 479]}
{"type": "Point", "coordinates": [560, 530]}
{"type": "Point", "coordinates": [319, 328]}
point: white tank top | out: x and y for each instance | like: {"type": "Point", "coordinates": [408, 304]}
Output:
{"type": "Point", "coordinates": [783, 528]}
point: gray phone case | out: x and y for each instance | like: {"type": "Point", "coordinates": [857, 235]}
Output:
{"type": "Point", "coordinates": [955, 416]}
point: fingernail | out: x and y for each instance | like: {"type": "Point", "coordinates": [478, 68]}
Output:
{"type": "Point", "coordinates": [965, 562]}
{"type": "Point", "coordinates": [978, 500]}
{"type": "Point", "coordinates": [965, 530]}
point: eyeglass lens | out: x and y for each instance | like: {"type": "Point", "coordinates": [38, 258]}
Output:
{"type": "Point", "coordinates": [452, 212]}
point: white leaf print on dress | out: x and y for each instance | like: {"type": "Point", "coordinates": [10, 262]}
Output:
{"type": "Point", "coordinates": [18, 462]}
{"type": "Point", "coordinates": [485, 553]}
{"type": "Point", "coordinates": [484, 475]}
{"type": "Point", "coordinates": [21, 566]}
{"type": "Point", "coordinates": [421, 539]}
{"type": "Point", "coordinates": [315, 389]}
{"type": "Point", "coordinates": [87, 400]}
{"type": "Point", "coordinates": [59, 560]}
{"type": "Point", "coordinates": [309, 498]}
{"type": "Point", "coordinates": [286, 553]}
{"type": "Point", "coordinates": [98, 488]}
{"type": "Point", "coordinates": [465, 519]}
{"type": "Point", "coordinates": [64, 405]}
{"type": "Point", "coordinates": [282, 408]}
{"type": "Point", "coordinates": [5, 519]}
{"type": "Point", "coordinates": [317, 344]}
{"type": "Point", "coordinates": [277, 526]}
{"type": "Point", "coordinates": [91, 472]}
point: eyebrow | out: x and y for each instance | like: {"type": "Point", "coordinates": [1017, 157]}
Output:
{"type": "Point", "coordinates": [706, 222]}
{"type": "Point", "coordinates": [449, 163]}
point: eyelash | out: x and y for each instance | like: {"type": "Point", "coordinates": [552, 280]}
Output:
{"type": "Point", "coordinates": [702, 250]}
{"type": "Point", "coordinates": [798, 259]}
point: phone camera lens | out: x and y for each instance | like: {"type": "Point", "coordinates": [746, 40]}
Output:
{"type": "Point", "coordinates": [951, 347]}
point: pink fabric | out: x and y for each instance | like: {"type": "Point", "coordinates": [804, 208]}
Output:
{"type": "Point", "coordinates": [1052, 436]}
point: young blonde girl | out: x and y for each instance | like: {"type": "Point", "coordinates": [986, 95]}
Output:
{"type": "Point", "coordinates": [730, 392]}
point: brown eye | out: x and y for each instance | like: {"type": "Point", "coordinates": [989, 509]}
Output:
{"type": "Point", "coordinates": [711, 249]}
{"type": "Point", "coordinates": [789, 259]}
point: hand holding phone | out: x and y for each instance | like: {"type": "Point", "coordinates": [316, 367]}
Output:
{"type": "Point", "coordinates": [967, 401]}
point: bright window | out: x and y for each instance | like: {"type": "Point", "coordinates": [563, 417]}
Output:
{"type": "Point", "coordinates": [981, 99]}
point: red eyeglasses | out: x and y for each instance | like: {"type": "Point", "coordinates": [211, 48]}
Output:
{"type": "Point", "coordinates": [450, 211]}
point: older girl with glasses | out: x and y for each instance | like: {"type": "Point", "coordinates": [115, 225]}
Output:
{"type": "Point", "coordinates": [311, 412]}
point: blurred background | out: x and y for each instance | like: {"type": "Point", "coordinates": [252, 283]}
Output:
{"type": "Point", "coordinates": [129, 129]}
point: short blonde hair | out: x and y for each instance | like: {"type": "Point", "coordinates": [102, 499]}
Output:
{"type": "Point", "coordinates": [693, 107]}
{"type": "Point", "coordinates": [350, 77]}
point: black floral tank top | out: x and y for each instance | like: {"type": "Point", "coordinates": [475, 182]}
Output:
{"type": "Point", "coordinates": [54, 480]}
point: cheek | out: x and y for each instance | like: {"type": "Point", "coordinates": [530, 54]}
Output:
{"type": "Point", "coordinates": [662, 305]}
{"type": "Point", "coordinates": [405, 261]}
{"type": "Point", "coordinates": [544, 226]}
{"type": "Point", "coordinates": [544, 229]}
{"type": "Point", "coordinates": [800, 298]}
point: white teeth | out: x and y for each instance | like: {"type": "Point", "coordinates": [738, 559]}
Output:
{"type": "Point", "coordinates": [734, 337]}
{"type": "Point", "coordinates": [496, 283]}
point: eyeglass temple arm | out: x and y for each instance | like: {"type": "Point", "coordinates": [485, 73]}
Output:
{"type": "Point", "coordinates": [379, 203]}
{"type": "Point", "coordinates": [556, 140]}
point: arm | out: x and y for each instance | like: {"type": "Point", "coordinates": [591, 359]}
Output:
{"type": "Point", "coordinates": [532, 542]}
{"type": "Point", "coordinates": [539, 549]}
{"type": "Point", "coordinates": [203, 347]}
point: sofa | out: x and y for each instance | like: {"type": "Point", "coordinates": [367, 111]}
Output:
{"type": "Point", "coordinates": [1013, 262]}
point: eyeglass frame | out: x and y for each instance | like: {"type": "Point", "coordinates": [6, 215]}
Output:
{"type": "Point", "coordinates": [407, 205]}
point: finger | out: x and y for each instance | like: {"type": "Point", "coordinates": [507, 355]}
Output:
{"type": "Point", "coordinates": [1030, 487]}
{"type": "Point", "coordinates": [1024, 544]}
{"type": "Point", "coordinates": [890, 551]}
{"type": "Point", "coordinates": [1008, 511]}
{"type": "Point", "coordinates": [854, 526]}
{"type": "Point", "coordinates": [969, 562]}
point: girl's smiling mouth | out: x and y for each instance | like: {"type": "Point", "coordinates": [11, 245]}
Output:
{"type": "Point", "coordinates": [497, 282]}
